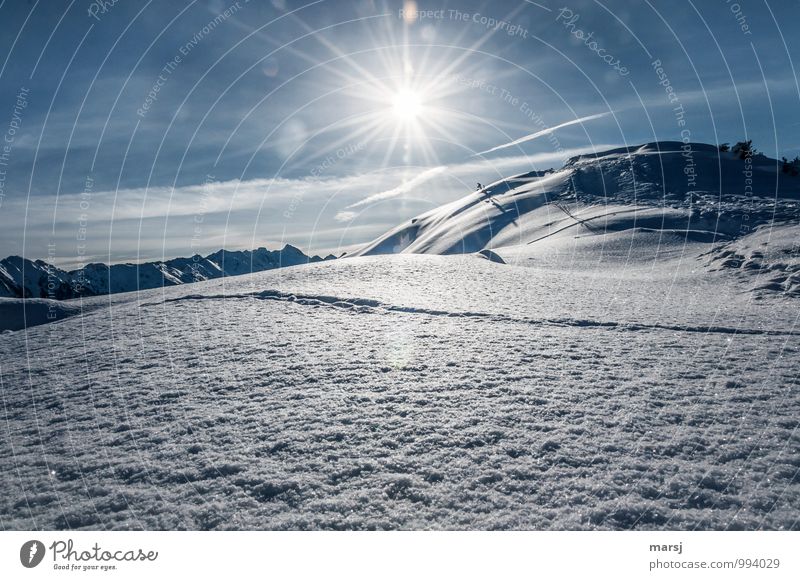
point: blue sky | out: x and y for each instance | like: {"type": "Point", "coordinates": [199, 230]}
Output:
{"type": "Point", "coordinates": [137, 131]}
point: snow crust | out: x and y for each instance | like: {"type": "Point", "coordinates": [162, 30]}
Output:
{"type": "Point", "coordinates": [411, 392]}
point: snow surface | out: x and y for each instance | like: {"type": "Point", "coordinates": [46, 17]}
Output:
{"type": "Point", "coordinates": [410, 392]}
{"type": "Point", "coordinates": [636, 376]}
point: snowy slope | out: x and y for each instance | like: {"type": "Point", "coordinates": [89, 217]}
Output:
{"type": "Point", "coordinates": [663, 186]}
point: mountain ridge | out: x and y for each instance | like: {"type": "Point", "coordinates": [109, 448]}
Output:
{"type": "Point", "coordinates": [24, 278]}
{"type": "Point", "coordinates": [666, 185]}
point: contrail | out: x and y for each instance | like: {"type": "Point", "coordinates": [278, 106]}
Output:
{"type": "Point", "coordinates": [402, 188]}
{"type": "Point", "coordinates": [547, 131]}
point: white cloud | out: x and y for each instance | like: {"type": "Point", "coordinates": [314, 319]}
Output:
{"type": "Point", "coordinates": [345, 216]}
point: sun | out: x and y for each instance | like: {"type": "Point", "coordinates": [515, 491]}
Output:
{"type": "Point", "coordinates": [406, 105]}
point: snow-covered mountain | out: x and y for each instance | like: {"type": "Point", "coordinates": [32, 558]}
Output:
{"type": "Point", "coordinates": [646, 197]}
{"type": "Point", "coordinates": [692, 189]}
{"type": "Point", "coordinates": [22, 278]}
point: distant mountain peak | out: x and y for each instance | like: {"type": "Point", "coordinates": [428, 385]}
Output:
{"type": "Point", "coordinates": [23, 278]}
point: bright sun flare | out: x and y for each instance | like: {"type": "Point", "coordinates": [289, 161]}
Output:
{"type": "Point", "coordinates": [406, 105]}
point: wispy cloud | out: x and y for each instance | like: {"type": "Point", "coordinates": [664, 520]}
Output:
{"type": "Point", "coordinates": [543, 132]}
{"type": "Point", "coordinates": [316, 214]}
